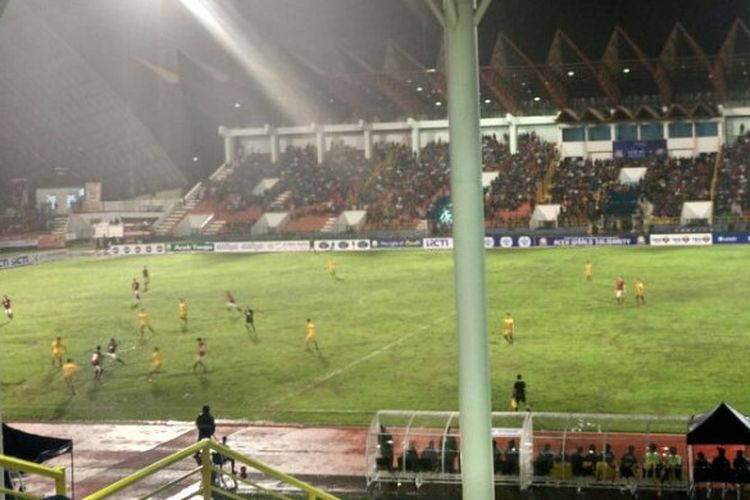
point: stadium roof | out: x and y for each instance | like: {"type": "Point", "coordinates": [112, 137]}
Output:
{"type": "Point", "coordinates": [140, 87]}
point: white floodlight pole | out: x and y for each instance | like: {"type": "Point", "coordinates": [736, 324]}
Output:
{"type": "Point", "coordinates": [459, 19]}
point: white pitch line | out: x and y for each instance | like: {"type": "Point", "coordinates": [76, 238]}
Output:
{"type": "Point", "coordinates": [356, 362]}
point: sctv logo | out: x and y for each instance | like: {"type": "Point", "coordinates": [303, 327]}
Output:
{"type": "Point", "coordinates": [437, 243]}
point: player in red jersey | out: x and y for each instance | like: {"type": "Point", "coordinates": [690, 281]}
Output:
{"type": "Point", "coordinates": [8, 307]}
{"type": "Point", "coordinates": [135, 287]}
{"type": "Point", "coordinates": [620, 290]}
{"type": "Point", "coordinates": [231, 303]}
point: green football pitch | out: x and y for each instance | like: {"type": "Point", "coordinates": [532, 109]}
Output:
{"type": "Point", "coordinates": [386, 332]}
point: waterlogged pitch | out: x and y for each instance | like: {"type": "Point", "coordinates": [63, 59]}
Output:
{"type": "Point", "coordinates": [386, 331]}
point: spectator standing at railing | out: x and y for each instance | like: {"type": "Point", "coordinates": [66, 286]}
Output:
{"type": "Point", "coordinates": [205, 424]}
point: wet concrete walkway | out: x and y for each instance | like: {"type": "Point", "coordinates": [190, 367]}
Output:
{"type": "Point", "coordinates": [104, 453]}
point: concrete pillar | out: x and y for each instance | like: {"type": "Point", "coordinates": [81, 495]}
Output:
{"type": "Point", "coordinates": [368, 143]}
{"type": "Point", "coordinates": [274, 138]}
{"type": "Point", "coordinates": [230, 152]}
{"type": "Point", "coordinates": [462, 78]}
{"type": "Point", "coordinates": [416, 143]}
{"type": "Point", "coordinates": [512, 134]}
{"type": "Point", "coordinates": [320, 145]}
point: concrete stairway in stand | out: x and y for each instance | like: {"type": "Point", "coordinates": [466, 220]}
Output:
{"type": "Point", "coordinates": [280, 200]}
{"type": "Point", "coordinates": [329, 225]}
{"type": "Point", "coordinates": [60, 226]}
{"type": "Point", "coordinates": [214, 227]}
{"type": "Point", "coordinates": [167, 225]}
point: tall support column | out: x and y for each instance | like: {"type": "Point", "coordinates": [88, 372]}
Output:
{"type": "Point", "coordinates": [459, 19]}
{"type": "Point", "coordinates": [274, 138]}
{"type": "Point", "coordinates": [512, 134]}
{"type": "Point", "coordinates": [320, 145]}
{"type": "Point", "coordinates": [416, 143]}
{"type": "Point", "coordinates": [368, 143]}
{"type": "Point", "coordinates": [229, 150]}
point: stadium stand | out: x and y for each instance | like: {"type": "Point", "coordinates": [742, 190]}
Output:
{"type": "Point", "coordinates": [732, 193]}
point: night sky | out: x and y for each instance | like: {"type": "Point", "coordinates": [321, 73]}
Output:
{"type": "Point", "coordinates": [316, 28]}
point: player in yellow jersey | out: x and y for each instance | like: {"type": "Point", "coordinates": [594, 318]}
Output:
{"type": "Point", "coordinates": [640, 289]}
{"type": "Point", "coordinates": [588, 270]}
{"type": "Point", "coordinates": [509, 328]}
{"type": "Point", "coordinates": [312, 336]}
{"type": "Point", "coordinates": [58, 349]}
{"type": "Point", "coordinates": [332, 268]}
{"type": "Point", "coordinates": [144, 322]}
{"type": "Point", "coordinates": [182, 313]}
{"type": "Point", "coordinates": [157, 358]}
{"type": "Point", "coordinates": [69, 369]}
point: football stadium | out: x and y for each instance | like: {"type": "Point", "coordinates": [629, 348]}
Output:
{"type": "Point", "coordinates": [353, 249]}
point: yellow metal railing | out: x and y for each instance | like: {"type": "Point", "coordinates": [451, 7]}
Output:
{"type": "Point", "coordinates": [208, 473]}
{"type": "Point", "coordinates": [55, 473]}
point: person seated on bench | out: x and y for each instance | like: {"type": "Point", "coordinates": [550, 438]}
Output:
{"type": "Point", "coordinates": [450, 451]}
{"type": "Point", "coordinates": [673, 465]}
{"type": "Point", "coordinates": [428, 461]}
{"type": "Point", "coordinates": [590, 460]}
{"type": "Point", "coordinates": [576, 462]}
{"type": "Point", "coordinates": [628, 463]}
{"type": "Point", "coordinates": [720, 467]}
{"type": "Point", "coordinates": [385, 445]}
{"type": "Point", "coordinates": [544, 461]}
{"type": "Point", "coordinates": [652, 463]}
{"type": "Point", "coordinates": [606, 469]}
{"type": "Point", "coordinates": [511, 458]}
{"type": "Point", "coordinates": [497, 458]}
{"type": "Point", "coordinates": [408, 460]}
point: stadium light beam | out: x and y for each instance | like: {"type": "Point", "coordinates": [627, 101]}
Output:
{"type": "Point", "coordinates": [258, 59]}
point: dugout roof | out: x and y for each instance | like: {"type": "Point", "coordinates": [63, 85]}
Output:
{"type": "Point", "coordinates": [721, 425]}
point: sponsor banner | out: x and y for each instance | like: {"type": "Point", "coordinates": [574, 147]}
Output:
{"type": "Point", "coordinates": [261, 246]}
{"type": "Point", "coordinates": [16, 261]}
{"type": "Point", "coordinates": [684, 239]}
{"type": "Point", "coordinates": [390, 244]}
{"type": "Point", "coordinates": [137, 249]}
{"type": "Point", "coordinates": [189, 247]}
{"type": "Point", "coordinates": [731, 238]}
{"type": "Point", "coordinates": [5, 244]}
{"type": "Point", "coordinates": [341, 245]}
{"type": "Point", "coordinates": [437, 243]}
{"type": "Point", "coordinates": [639, 149]}
{"type": "Point", "coordinates": [587, 241]}
{"type": "Point", "coordinates": [513, 241]}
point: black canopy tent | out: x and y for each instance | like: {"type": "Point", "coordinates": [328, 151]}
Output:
{"type": "Point", "coordinates": [721, 425]}
{"type": "Point", "coordinates": [33, 447]}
